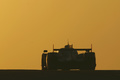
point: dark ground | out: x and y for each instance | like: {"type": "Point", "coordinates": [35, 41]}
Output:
{"type": "Point", "coordinates": [59, 75]}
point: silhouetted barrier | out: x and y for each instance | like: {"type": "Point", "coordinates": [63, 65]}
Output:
{"type": "Point", "coordinates": [58, 75]}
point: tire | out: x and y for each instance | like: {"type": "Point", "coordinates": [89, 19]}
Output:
{"type": "Point", "coordinates": [90, 61]}
{"type": "Point", "coordinates": [52, 61]}
{"type": "Point", "coordinates": [88, 67]}
{"type": "Point", "coordinates": [44, 62]}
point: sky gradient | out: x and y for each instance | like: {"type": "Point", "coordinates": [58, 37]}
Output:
{"type": "Point", "coordinates": [27, 27]}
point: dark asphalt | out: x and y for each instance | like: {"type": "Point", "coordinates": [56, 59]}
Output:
{"type": "Point", "coordinates": [59, 75]}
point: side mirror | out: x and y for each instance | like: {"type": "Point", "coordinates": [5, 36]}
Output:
{"type": "Point", "coordinates": [45, 51]}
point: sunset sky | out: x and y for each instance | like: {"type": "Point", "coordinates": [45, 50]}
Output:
{"type": "Point", "coordinates": [27, 27]}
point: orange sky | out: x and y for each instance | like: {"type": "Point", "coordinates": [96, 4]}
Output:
{"type": "Point", "coordinates": [27, 27]}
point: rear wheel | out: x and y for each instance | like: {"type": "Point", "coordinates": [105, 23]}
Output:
{"type": "Point", "coordinates": [90, 61]}
{"type": "Point", "coordinates": [52, 61]}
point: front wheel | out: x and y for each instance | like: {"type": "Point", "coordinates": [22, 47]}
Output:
{"type": "Point", "coordinates": [88, 68]}
{"type": "Point", "coordinates": [44, 68]}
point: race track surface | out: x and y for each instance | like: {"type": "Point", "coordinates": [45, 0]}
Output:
{"type": "Point", "coordinates": [59, 75]}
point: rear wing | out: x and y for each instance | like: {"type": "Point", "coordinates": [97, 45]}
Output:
{"type": "Point", "coordinates": [87, 50]}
